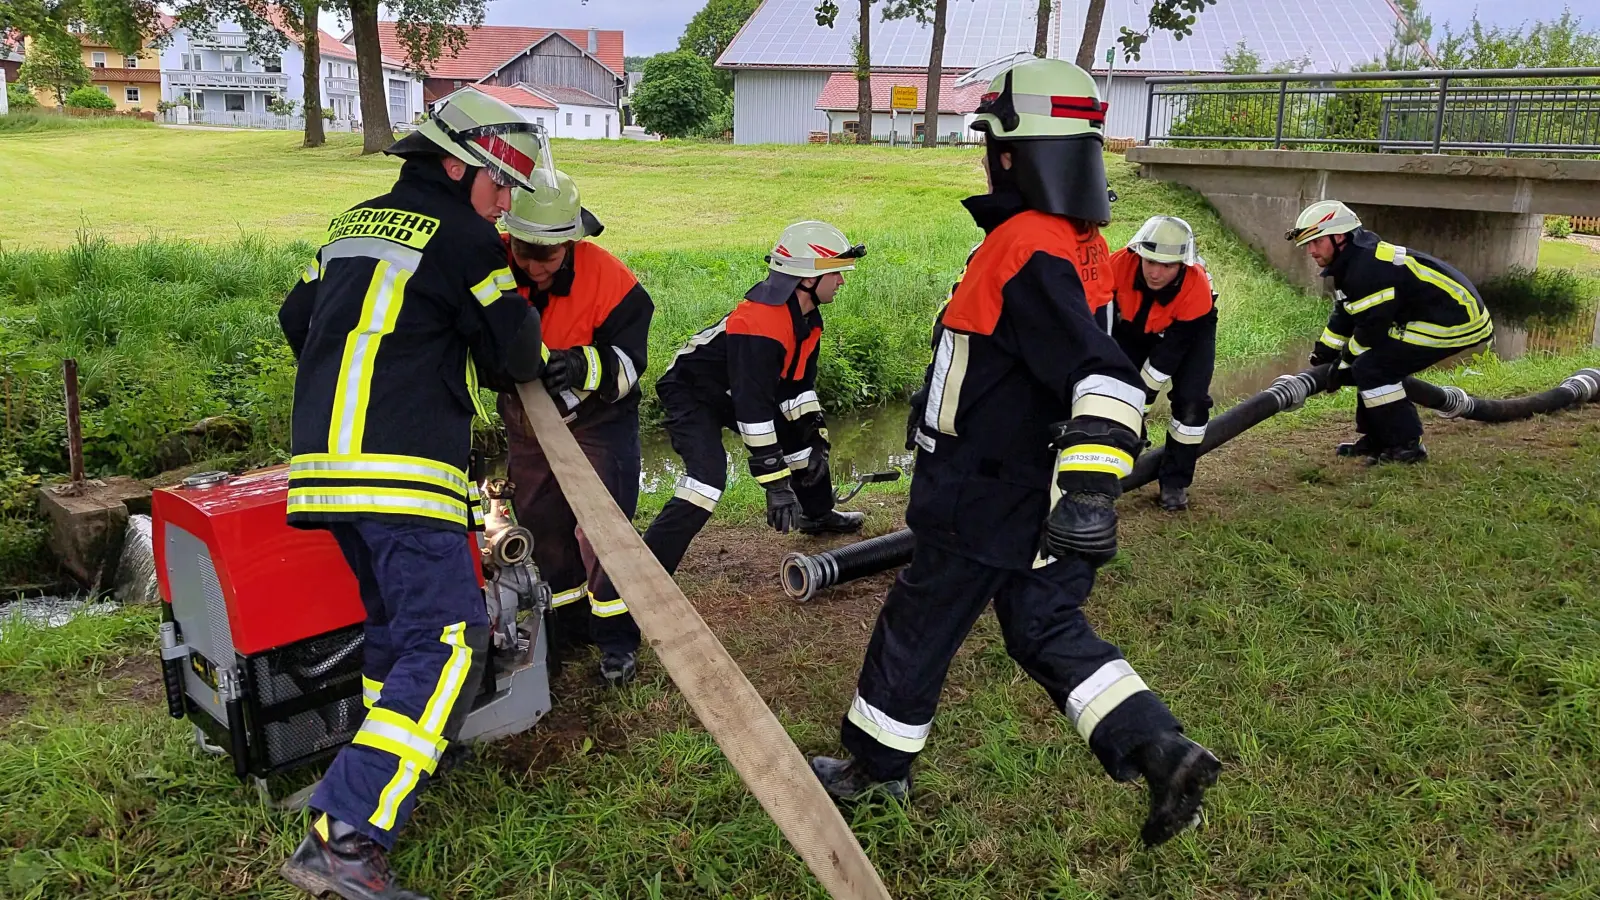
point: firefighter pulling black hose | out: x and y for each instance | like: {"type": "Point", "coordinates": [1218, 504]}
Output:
{"type": "Point", "coordinates": [804, 575]}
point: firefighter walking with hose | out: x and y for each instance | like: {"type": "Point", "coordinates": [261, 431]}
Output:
{"type": "Point", "coordinates": [1396, 312]}
{"type": "Point", "coordinates": [407, 298]}
{"type": "Point", "coordinates": [755, 372]}
{"type": "Point", "coordinates": [596, 321]}
{"type": "Point", "coordinates": [1164, 317]}
{"type": "Point", "coordinates": [1030, 415]}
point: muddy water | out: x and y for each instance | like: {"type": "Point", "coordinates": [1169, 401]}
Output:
{"type": "Point", "coordinates": [874, 439]}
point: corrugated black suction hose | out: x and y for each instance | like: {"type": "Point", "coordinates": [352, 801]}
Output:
{"type": "Point", "coordinates": [805, 574]}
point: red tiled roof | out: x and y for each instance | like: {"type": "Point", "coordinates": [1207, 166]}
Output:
{"type": "Point", "coordinates": [328, 45]}
{"type": "Point", "coordinates": [840, 92]}
{"type": "Point", "coordinates": [126, 76]}
{"type": "Point", "coordinates": [492, 46]}
{"type": "Point", "coordinates": [513, 95]}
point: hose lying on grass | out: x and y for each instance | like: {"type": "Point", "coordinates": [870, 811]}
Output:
{"type": "Point", "coordinates": [803, 574]}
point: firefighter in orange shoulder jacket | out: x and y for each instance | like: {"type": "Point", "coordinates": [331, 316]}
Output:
{"type": "Point", "coordinates": [755, 373]}
{"type": "Point", "coordinates": [1165, 320]}
{"type": "Point", "coordinates": [1031, 416]}
{"type": "Point", "coordinates": [596, 319]}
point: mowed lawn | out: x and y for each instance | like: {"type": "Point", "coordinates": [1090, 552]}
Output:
{"type": "Point", "coordinates": [1399, 668]}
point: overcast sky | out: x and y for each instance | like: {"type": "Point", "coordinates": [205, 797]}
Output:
{"type": "Point", "coordinates": [651, 26]}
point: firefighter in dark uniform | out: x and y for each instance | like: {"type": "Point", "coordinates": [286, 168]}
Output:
{"type": "Point", "coordinates": [596, 322]}
{"type": "Point", "coordinates": [1031, 415]}
{"type": "Point", "coordinates": [407, 298]}
{"type": "Point", "coordinates": [1165, 320]}
{"type": "Point", "coordinates": [755, 372]}
{"type": "Point", "coordinates": [1396, 312]}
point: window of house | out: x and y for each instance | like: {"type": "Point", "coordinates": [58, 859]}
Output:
{"type": "Point", "coordinates": [349, 71]}
{"type": "Point", "coordinates": [569, 118]}
{"type": "Point", "coordinates": [918, 130]}
{"type": "Point", "coordinates": [457, 85]}
{"type": "Point", "coordinates": [130, 94]}
{"type": "Point", "coordinates": [199, 100]}
{"type": "Point", "coordinates": [99, 60]}
{"type": "Point", "coordinates": [103, 89]}
{"type": "Point", "coordinates": [185, 61]}
{"type": "Point", "coordinates": [272, 64]}
{"type": "Point", "coordinates": [130, 62]}
{"type": "Point", "coordinates": [852, 127]}
{"type": "Point", "coordinates": [539, 121]}
{"type": "Point", "coordinates": [233, 102]}
{"type": "Point", "coordinates": [398, 95]}
{"type": "Point", "coordinates": [586, 119]}
{"type": "Point", "coordinates": [330, 70]}
{"type": "Point", "coordinates": [233, 63]}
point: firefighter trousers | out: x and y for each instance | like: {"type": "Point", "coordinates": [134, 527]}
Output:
{"type": "Point", "coordinates": [931, 607]}
{"type": "Point", "coordinates": [424, 652]}
{"type": "Point", "coordinates": [1383, 414]}
{"type": "Point", "coordinates": [560, 549]}
{"type": "Point", "coordinates": [695, 429]}
{"type": "Point", "coordinates": [1190, 397]}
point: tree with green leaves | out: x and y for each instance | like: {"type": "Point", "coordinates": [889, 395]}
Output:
{"type": "Point", "coordinates": [426, 30]}
{"type": "Point", "coordinates": [928, 12]}
{"type": "Point", "coordinates": [712, 30]}
{"type": "Point", "coordinates": [1559, 42]}
{"type": "Point", "coordinates": [678, 95]}
{"type": "Point", "coordinates": [861, 53]}
{"type": "Point", "coordinates": [126, 25]}
{"type": "Point", "coordinates": [1177, 17]}
{"type": "Point", "coordinates": [54, 63]}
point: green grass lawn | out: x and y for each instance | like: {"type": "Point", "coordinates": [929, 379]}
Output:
{"type": "Point", "coordinates": [1399, 668]}
{"type": "Point", "coordinates": [1569, 255]}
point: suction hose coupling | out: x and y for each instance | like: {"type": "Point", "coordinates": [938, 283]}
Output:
{"type": "Point", "coordinates": [1457, 402]}
{"type": "Point", "coordinates": [1584, 385]}
{"type": "Point", "coordinates": [804, 575]}
{"type": "Point", "coordinates": [511, 546]}
{"type": "Point", "coordinates": [1291, 391]}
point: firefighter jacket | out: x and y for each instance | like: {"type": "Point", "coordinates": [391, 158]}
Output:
{"type": "Point", "coordinates": [1015, 350]}
{"type": "Point", "coordinates": [595, 304]}
{"type": "Point", "coordinates": [1158, 328]}
{"type": "Point", "coordinates": [758, 368]}
{"type": "Point", "coordinates": [1385, 295]}
{"type": "Point", "coordinates": [408, 291]}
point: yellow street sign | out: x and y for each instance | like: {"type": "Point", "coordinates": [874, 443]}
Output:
{"type": "Point", "coordinates": [903, 97]}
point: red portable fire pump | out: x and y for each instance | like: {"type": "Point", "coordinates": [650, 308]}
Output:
{"type": "Point", "coordinates": [262, 631]}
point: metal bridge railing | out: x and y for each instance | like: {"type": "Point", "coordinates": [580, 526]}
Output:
{"type": "Point", "coordinates": [1545, 111]}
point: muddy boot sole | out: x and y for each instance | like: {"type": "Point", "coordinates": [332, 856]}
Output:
{"type": "Point", "coordinates": [1179, 808]}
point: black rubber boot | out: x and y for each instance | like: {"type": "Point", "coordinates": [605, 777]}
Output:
{"type": "Point", "coordinates": [618, 669]}
{"type": "Point", "coordinates": [834, 522]}
{"type": "Point", "coordinates": [1412, 452]}
{"type": "Point", "coordinates": [1358, 447]}
{"type": "Point", "coordinates": [848, 783]}
{"type": "Point", "coordinates": [1177, 771]}
{"type": "Point", "coordinates": [336, 860]}
{"type": "Point", "coordinates": [1174, 499]}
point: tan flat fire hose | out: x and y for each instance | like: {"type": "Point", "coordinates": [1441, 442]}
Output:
{"type": "Point", "coordinates": [726, 703]}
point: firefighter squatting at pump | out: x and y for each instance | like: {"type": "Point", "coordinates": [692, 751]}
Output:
{"type": "Point", "coordinates": [408, 297]}
{"type": "Point", "coordinates": [596, 322]}
{"type": "Point", "coordinates": [1030, 415]}
{"type": "Point", "coordinates": [755, 372]}
{"type": "Point", "coordinates": [1164, 317]}
{"type": "Point", "coordinates": [1396, 312]}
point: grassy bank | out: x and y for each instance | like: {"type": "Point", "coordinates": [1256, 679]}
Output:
{"type": "Point", "coordinates": [169, 329]}
{"type": "Point", "coordinates": [1397, 666]}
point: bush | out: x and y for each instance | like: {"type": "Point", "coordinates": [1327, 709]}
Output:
{"type": "Point", "coordinates": [90, 98]}
{"type": "Point", "coordinates": [327, 113]}
{"type": "Point", "coordinates": [678, 95]}
{"type": "Point", "coordinates": [1557, 227]}
{"type": "Point", "coordinates": [1543, 296]}
{"type": "Point", "coordinates": [20, 98]}
{"type": "Point", "coordinates": [282, 106]}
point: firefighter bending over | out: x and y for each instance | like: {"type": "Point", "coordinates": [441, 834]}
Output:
{"type": "Point", "coordinates": [755, 372]}
{"type": "Point", "coordinates": [1396, 312]}
{"type": "Point", "coordinates": [1031, 415]}
{"type": "Point", "coordinates": [596, 321]}
{"type": "Point", "coordinates": [408, 295]}
{"type": "Point", "coordinates": [1165, 320]}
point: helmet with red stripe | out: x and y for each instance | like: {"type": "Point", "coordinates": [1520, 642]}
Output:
{"type": "Point", "coordinates": [483, 132]}
{"type": "Point", "coordinates": [811, 248]}
{"type": "Point", "coordinates": [1047, 114]}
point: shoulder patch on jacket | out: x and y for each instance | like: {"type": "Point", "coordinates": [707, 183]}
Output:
{"type": "Point", "coordinates": [975, 306]}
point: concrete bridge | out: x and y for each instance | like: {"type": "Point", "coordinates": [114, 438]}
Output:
{"type": "Point", "coordinates": [1483, 215]}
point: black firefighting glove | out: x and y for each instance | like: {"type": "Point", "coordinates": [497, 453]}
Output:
{"type": "Point", "coordinates": [783, 507]}
{"type": "Point", "coordinates": [1339, 376]}
{"type": "Point", "coordinates": [817, 464]}
{"type": "Point", "coordinates": [919, 406]}
{"type": "Point", "coordinates": [566, 370]}
{"type": "Point", "coordinates": [1097, 454]}
{"type": "Point", "coordinates": [1322, 354]}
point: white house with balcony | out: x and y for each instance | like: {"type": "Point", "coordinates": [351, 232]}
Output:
{"type": "Point", "coordinates": [221, 83]}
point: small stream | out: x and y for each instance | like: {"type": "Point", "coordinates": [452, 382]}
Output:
{"type": "Point", "coordinates": [872, 440]}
